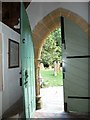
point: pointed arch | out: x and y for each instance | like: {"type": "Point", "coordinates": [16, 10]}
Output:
{"type": "Point", "coordinates": [52, 21]}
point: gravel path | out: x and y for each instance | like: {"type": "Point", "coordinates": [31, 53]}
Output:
{"type": "Point", "coordinates": [52, 99]}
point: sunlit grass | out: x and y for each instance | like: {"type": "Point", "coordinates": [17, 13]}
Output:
{"type": "Point", "coordinates": [49, 79]}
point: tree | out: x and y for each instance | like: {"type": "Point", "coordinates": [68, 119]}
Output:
{"type": "Point", "coordinates": [51, 50]}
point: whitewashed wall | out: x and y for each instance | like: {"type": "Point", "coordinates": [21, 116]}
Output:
{"type": "Point", "coordinates": [37, 10]}
{"type": "Point", "coordinates": [1, 71]}
{"type": "Point", "coordinates": [11, 88]}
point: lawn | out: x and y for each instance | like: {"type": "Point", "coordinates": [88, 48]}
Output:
{"type": "Point", "coordinates": [49, 79]}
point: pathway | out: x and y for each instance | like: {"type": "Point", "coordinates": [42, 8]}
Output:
{"type": "Point", "coordinates": [52, 99]}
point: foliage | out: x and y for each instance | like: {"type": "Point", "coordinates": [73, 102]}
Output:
{"type": "Point", "coordinates": [51, 50]}
{"type": "Point", "coordinates": [48, 78]}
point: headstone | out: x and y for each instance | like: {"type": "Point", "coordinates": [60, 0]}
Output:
{"type": "Point", "coordinates": [55, 68]}
{"type": "Point", "coordinates": [41, 66]}
{"type": "Point", "coordinates": [58, 67]}
{"type": "Point", "coordinates": [50, 67]}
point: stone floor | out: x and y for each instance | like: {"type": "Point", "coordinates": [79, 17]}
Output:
{"type": "Point", "coordinates": [60, 116]}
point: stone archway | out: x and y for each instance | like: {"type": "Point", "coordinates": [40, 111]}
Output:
{"type": "Point", "coordinates": [43, 29]}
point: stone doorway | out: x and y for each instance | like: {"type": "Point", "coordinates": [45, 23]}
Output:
{"type": "Point", "coordinates": [43, 29]}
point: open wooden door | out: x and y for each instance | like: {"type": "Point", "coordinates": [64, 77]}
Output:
{"type": "Point", "coordinates": [75, 66]}
{"type": "Point", "coordinates": [27, 65]}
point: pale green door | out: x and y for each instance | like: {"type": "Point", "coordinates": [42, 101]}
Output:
{"type": "Point", "coordinates": [27, 65]}
{"type": "Point", "coordinates": [75, 66]}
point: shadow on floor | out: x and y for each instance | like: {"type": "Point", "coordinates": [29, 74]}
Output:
{"type": "Point", "coordinates": [61, 116]}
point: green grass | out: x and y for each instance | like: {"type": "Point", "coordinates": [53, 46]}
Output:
{"type": "Point", "coordinates": [49, 79]}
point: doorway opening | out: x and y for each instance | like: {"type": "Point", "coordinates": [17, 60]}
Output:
{"type": "Point", "coordinates": [51, 78]}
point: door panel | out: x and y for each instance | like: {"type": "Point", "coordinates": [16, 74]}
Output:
{"type": "Point", "coordinates": [76, 67]}
{"type": "Point", "coordinates": [27, 65]}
